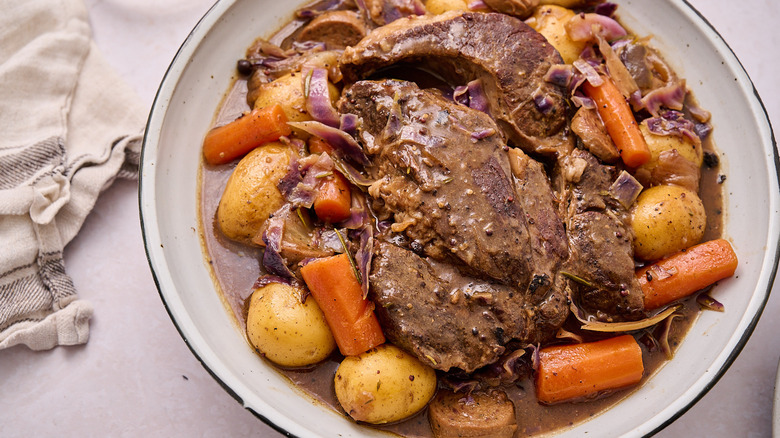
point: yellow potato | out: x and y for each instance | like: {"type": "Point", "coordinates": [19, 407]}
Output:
{"type": "Point", "coordinates": [251, 195]}
{"type": "Point", "coordinates": [564, 3]}
{"type": "Point", "coordinates": [286, 331]}
{"type": "Point", "coordinates": [437, 7]}
{"type": "Point", "coordinates": [288, 91]}
{"type": "Point", "coordinates": [666, 219]}
{"type": "Point", "coordinates": [383, 385]}
{"type": "Point", "coordinates": [550, 20]}
{"type": "Point", "coordinates": [687, 148]}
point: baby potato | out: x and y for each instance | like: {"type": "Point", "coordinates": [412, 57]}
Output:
{"type": "Point", "coordinates": [285, 330]}
{"type": "Point", "coordinates": [251, 195]}
{"type": "Point", "coordinates": [666, 219]}
{"type": "Point", "coordinates": [383, 385]}
{"type": "Point", "coordinates": [687, 148]}
{"type": "Point", "coordinates": [288, 91]}
{"type": "Point", "coordinates": [550, 20]}
{"type": "Point", "coordinates": [437, 7]}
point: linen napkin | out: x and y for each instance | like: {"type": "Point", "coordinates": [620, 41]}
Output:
{"type": "Point", "coordinates": [68, 127]}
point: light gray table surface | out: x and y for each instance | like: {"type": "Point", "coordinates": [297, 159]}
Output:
{"type": "Point", "coordinates": [136, 377]}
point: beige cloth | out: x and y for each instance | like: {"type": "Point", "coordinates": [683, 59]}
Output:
{"type": "Point", "coordinates": [68, 127]}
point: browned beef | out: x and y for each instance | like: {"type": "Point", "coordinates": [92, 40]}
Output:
{"type": "Point", "coordinates": [444, 318]}
{"type": "Point", "coordinates": [508, 56]}
{"type": "Point", "coordinates": [600, 240]}
{"type": "Point", "coordinates": [449, 192]}
{"type": "Point", "coordinates": [449, 320]}
{"type": "Point", "coordinates": [445, 178]}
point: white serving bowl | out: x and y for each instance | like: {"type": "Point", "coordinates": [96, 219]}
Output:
{"type": "Point", "coordinates": [184, 109]}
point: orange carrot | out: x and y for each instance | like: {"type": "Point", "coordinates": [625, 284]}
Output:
{"type": "Point", "coordinates": [317, 146]}
{"type": "Point", "coordinates": [574, 371]}
{"type": "Point", "coordinates": [351, 317]}
{"type": "Point", "coordinates": [226, 143]}
{"type": "Point", "coordinates": [334, 201]}
{"type": "Point", "coordinates": [686, 272]}
{"type": "Point", "coordinates": [619, 121]}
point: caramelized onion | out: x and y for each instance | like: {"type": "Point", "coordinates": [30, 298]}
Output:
{"type": "Point", "coordinates": [598, 326]}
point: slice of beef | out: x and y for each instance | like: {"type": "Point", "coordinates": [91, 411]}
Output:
{"type": "Point", "coordinates": [600, 240]}
{"type": "Point", "coordinates": [546, 230]}
{"type": "Point", "coordinates": [449, 320]}
{"type": "Point", "coordinates": [445, 178]}
{"type": "Point", "coordinates": [444, 318]}
{"type": "Point", "coordinates": [508, 56]}
{"type": "Point", "coordinates": [443, 175]}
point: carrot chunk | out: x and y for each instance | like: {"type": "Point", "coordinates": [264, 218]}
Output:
{"type": "Point", "coordinates": [685, 272]}
{"type": "Point", "coordinates": [334, 200]}
{"type": "Point", "coordinates": [568, 372]}
{"type": "Point", "coordinates": [226, 143]}
{"type": "Point", "coordinates": [350, 316]}
{"type": "Point", "coordinates": [619, 121]}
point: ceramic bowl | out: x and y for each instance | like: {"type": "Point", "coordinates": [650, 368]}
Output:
{"type": "Point", "coordinates": [184, 109]}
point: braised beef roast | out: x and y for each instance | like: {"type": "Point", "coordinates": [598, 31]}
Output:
{"type": "Point", "coordinates": [493, 252]}
{"type": "Point", "coordinates": [492, 248]}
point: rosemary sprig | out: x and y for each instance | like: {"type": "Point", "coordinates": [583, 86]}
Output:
{"type": "Point", "coordinates": [349, 256]}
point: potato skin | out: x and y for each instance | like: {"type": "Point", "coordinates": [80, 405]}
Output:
{"type": "Point", "coordinates": [550, 20]}
{"type": "Point", "coordinates": [285, 330]}
{"type": "Point", "coordinates": [666, 219]}
{"type": "Point", "coordinates": [250, 194]}
{"type": "Point", "coordinates": [437, 7]}
{"type": "Point", "coordinates": [687, 148]}
{"type": "Point", "coordinates": [383, 385]}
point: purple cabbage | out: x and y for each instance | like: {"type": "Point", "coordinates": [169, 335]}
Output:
{"type": "Point", "coordinates": [358, 212]}
{"type": "Point", "coordinates": [625, 189]}
{"type": "Point", "coordinates": [672, 123]}
{"type": "Point", "coordinates": [364, 254]}
{"type": "Point", "coordinates": [591, 75]}
{"type": "Point", "coordinates": [706, 301]}
{"type": "Point", "coordinates": [559, 74]}
{"type": "Point", "coordinates": [477, 97]}
{"type": "Point", "coordinates": [606, 9]}
{"type": "Point", "coordinates": [580, 27]}
{"type": "Point", "coordinates": [318, 103]}
{"type": "Point", "coordinates": [349, 123]}
{"type": "Point", "coordinates": [343, 143]}
{"type": "Point", "coordinates": [265, 280]}
{"type": "Point", "coordinates": [542, 101]}
{"type": "Point", "coordinates": [670, 96]}
{"type": "Point", "coordinates": [273, 262]}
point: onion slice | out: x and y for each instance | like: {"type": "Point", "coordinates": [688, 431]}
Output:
{"type": "Point", "coordinates": [597, 326]}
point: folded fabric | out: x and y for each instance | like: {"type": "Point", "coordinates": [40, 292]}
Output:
{"type": "Point", "coordinates": [68, 127]}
